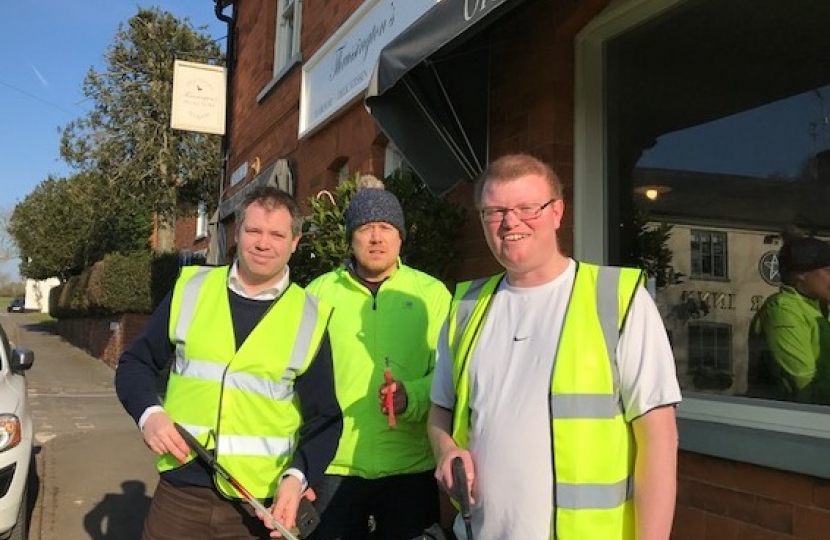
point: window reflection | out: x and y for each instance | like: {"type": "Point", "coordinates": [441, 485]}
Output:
{"type": "Point", "coordinates": [711, 158]}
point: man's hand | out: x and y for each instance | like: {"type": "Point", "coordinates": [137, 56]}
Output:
{"type": "Point", "coordinates": [285, 504]}
{"type": "Point", "coordinates": [443, 472]}
{"type": "Point", "coordinates": [161, 437]}
{"type": "Point", "coordinates": [400, 400]}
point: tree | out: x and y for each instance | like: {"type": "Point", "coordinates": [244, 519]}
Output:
{"type": "Point", "coordinates": [8, 249]}
{"type": "Point", "coordinates": [127, 135]}
{"type": "Point", "coordinates": [67, 224]}
{"type": "Point", "coordinates": [652, 251]}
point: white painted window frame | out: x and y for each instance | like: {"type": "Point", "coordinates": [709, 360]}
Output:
{"type": "Point", "coordinates": [287, 36]}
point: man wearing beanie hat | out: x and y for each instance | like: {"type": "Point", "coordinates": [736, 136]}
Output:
{"type": "Point", "coordinates": [374, 205]}
{"type": "Point", "coordinates": [794, 322]}
{"type": "Point", "coordinates": [386, 321]}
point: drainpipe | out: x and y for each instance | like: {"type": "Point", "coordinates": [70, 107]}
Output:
{"type": "Point", "coordinates": [230, 57]}
{"type": "Point", "coordinates": [229, 66]}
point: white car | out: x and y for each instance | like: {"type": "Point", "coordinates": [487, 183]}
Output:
{"type": "Point", "coordinates": [15, 440]}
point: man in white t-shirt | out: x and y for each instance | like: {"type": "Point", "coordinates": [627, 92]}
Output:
{"type": "Point", "coordinates": [555, 382]}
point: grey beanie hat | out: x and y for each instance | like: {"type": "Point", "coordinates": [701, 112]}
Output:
{"type": "Point", "coordinates": [371, 204]}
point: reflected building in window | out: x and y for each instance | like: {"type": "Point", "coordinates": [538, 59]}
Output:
{"type": "Point", "coordinates": [723, 261]}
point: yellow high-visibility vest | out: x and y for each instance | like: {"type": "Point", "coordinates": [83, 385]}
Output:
{"type": "Point", "coordinates": [593, 446]}
{"type": "Point", "coordinates": [244, 397]}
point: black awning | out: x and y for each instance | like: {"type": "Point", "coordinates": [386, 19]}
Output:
{"type": "Point", "coordinates": [430, 90]}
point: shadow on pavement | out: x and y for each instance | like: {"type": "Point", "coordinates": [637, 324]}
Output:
{"type": "Point", "coordinates": [119, 516]}
{"type": "Point", "coordinates": [42, 327]}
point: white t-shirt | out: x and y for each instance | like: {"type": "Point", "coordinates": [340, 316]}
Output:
{"type": "Point", "coordinates": [509, 395]}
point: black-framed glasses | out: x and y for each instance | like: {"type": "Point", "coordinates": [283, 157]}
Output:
{"type": "Point", "coordinates": [525, 212]}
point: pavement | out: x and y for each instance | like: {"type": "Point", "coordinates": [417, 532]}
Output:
{"type": "Point", "coordinates": [95, 476]}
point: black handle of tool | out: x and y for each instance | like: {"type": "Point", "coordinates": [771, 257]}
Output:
{"type": "Point", "coordinates": [459, 479]}
{"type": "Point", "coordinates": [202, 452]}
{"type": "Point", "coordinates": [307, 516]}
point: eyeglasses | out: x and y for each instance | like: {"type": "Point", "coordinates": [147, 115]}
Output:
{"type": "Point", "coordinates": [525, 212]}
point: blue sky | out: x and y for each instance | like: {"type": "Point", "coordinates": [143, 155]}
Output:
{"type": "Point", "coordinates": [49, 45]}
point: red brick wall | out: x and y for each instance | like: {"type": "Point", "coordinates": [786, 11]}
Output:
{"type": "Point", "coordinates": [185, 235]}
{"type": "Point", "coordinates": [268, 128]}
{"type": "Point", "coordinates": [95, 336]}
{"type": "Point", "coordinates": [726, 500]}
{"type": "Point", "coordinates": [532, 106]}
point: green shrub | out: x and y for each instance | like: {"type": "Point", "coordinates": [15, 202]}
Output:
{"type": "Point", "coordinates": [119, 283]}
{"type": "Point", "coordinates": [64, 296]}
{"type": "Point", "coordinates": [126, 283]}
{"type": "Point", "coordinates": [432, 223]}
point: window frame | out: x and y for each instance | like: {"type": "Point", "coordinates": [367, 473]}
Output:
{"type": "Point", "coordinates": [714, 327]}
{"type": "Point", "coordinates": [711, 234]}
{"type": "Point", "coordinates": [282, 59]}
{"type": "Point", "coordinates": [283, 62]}
{"type": "Point", "coordinates": [781, 435]}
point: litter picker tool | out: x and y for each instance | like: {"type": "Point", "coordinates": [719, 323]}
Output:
{"type": "Point", "coordinates": [389, 399]}
{"type": "Point", "coordinates": [459, 479]}
{"type": "Point", "coordinates": [208, 458]}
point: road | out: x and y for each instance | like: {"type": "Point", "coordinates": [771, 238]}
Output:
{"type": "Point", "coordinates": [94, 476]}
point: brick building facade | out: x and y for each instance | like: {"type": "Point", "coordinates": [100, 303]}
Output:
{"type": "Point", "coordinates": [589, 86]}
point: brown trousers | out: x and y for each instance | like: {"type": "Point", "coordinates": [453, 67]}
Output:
{"type": "Point", "coordinates": [199, 513]}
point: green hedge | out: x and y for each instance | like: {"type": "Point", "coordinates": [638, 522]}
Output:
{"type": "Point", "coordinates": [119, 283]}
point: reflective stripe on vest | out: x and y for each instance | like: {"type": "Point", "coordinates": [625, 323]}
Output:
{"type": "Point", "coordinates": [470, 304]}
{"type": "Point", "coordinates": [593, 496]}
{"type": "Point", "coordinates": [211, 371]}
{"type": "Point", "coordinates": [596, 406]}
{"type": "Point", "coordinates": [465, 307]}
{"type": "Point", "coordinates": [245, 445]}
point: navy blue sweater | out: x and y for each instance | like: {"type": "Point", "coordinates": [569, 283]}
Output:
{"type": "Point", "coordinates": [137, 386]}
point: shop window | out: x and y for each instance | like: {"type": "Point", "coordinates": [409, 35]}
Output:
{"type": "Point", "coordinates": [709, 153]}
{"type": "Point", "coordinates": [713, 140]}
{"type": "Point", "coordinates": [287, 45]}
{"type": "Point", "coordinates": [708, 252]}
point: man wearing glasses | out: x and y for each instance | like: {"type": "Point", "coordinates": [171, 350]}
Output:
{"type": "Point", "coordinates": [555, 382]}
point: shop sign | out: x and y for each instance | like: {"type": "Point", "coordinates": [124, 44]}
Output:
{"type": "Point", "coordinates": [340, 71]}
{"type": "Point", "coordinates": [712, 299]}
{"type": "Point", "coordinates": [199, 95]}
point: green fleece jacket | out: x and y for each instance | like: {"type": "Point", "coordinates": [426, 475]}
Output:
{"type": "Point", "coordinates": [401, 323]}
{"type": "Point", "coordinates": [798, 336]}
